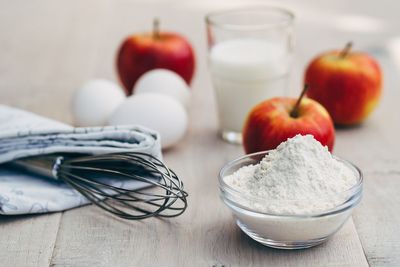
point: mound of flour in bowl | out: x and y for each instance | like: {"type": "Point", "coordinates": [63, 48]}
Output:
{"type": "Point", "coordinates": [299, 177]}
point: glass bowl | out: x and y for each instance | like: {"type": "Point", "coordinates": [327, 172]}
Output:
{"type": "Point", "coordinates": [286, 231]}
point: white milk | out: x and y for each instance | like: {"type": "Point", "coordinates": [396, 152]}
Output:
{"type": "Point", "coordinates": [245, 72]}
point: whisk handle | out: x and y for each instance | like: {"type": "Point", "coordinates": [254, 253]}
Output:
{"type": "Point", "coordinates": [42, 165]}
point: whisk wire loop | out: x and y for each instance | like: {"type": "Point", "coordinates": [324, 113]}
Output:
{"type": "Point", "coordinates": [105, 181]}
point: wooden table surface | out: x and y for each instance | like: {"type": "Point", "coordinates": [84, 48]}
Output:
{"type": "Point", "coordinates": [49, 48]}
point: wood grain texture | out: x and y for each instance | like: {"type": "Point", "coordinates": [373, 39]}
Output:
{"type": "Point", "coordinates": [374, 147]}
{"type": "Point", "coordinates": [48, 49]}
{"type": "Point", "coordinates": [28, 240]}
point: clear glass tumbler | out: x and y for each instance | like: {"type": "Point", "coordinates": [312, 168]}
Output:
{"type": "Point", "coordinates": [249, 59]}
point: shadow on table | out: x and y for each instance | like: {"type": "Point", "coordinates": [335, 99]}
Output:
{"type": "Point", "coordinates": [248, 241]}
{"type": "Point", "coordinates": [6, 219]}
{"type": "Point", "coordinates": [227, 240]}
{"type": "Point", "coordinates": [349, 127]}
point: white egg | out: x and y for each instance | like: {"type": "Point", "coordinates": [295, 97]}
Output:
{"type": "Point", "coordinates": [164, 81]}
{"type": "Point", "coordinates": [155, 111]}
{"type": "Point", "coordinates": [93, 103]}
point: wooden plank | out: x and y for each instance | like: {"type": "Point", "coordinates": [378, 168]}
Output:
{"type": "Point", "coordinates": [28, 240]}
{"type": "Point", "coordinates": [47, 49]}
{"type": "Point", "coordinates": [374, 147]}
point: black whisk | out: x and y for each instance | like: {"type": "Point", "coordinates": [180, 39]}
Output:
{"type": "Point", "coordinates": [95, 177]}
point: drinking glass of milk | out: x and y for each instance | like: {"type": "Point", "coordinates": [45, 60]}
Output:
{"type": "Point", "coordinates": [249, 60]}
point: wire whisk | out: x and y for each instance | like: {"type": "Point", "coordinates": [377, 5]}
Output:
{"type": "Point", "coordinates": [104, 181]}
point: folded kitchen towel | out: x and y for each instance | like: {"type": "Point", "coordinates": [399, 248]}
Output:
{"type": "Point", "coordinates": [24, 134]}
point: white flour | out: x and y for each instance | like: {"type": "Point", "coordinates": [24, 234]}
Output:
{"type": "Point", "coordinates": [299, 177]}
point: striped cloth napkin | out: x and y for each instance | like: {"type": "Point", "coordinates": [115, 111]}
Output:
{"type": "Point", "coordinates": [24, 134]}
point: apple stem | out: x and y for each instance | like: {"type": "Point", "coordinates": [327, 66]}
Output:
{"type": "Point", "coordinates": [156, 28]}
{"type": "Point", "coordinates": [346, 50]}
{"type": "Point", "coordinates": [295, 111]}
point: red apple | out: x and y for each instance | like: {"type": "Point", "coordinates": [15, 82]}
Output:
{"type": "Point", "coordinates": [143, 52]}
{"type": "Point", "coordinates": [348, 84]}
{"type": "Point", "coordinates": [275, 120]}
